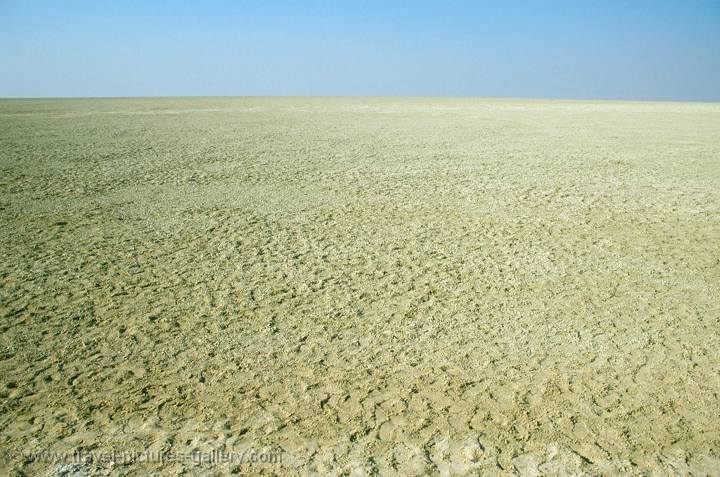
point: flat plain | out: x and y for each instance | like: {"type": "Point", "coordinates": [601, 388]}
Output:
{"type": "Point", "coordinates": [360, 286]}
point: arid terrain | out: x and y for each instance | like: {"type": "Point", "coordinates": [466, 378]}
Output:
{"type": "Point", "coordinates": [359, 286]}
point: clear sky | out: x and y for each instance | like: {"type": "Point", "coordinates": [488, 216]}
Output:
{"type": "Point", "coordinates": [658, 50]}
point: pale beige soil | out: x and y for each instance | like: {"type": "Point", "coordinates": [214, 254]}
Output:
{"type": "Point", "coordinates": [378, 286]}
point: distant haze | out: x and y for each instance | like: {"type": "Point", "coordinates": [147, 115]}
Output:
{"type": "Point", "coordinates": [644, 50]}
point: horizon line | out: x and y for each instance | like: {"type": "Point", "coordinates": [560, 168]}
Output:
{"type": "Point", "coordinates": [279, 96]}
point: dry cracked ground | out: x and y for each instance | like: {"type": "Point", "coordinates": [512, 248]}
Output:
{"type": "Point", "coordinates": [359, 286]}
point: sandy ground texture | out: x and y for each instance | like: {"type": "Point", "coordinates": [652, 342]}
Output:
{"type": "Point", "coordinates": [359, 287]}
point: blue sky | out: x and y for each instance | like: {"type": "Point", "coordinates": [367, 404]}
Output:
{"type": "Point", "coordinates": [646, 50]}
